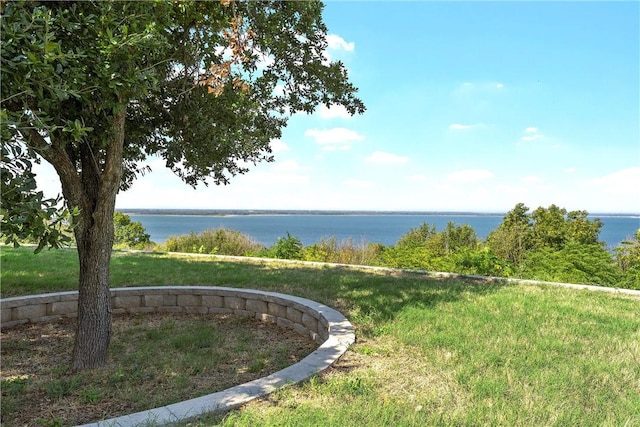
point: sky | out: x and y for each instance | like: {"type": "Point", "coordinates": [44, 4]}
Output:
{"type": "Point", "coordinates": [471, 106]}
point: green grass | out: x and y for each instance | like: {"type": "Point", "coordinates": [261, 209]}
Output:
{"type": "Point", "coordinates": [428, 352]}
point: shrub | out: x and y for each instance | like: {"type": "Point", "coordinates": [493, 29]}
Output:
{"type": "Point", "coordinates": [288, 247]}
{"type": "Point", "coordinates": [129, 234]}
{"type": "Point", "coordinates": [216, 241]}
{"type": "Point", "coordinates": [575, 263]}
{"type": "Point", "coordinates": [627, 257]}
{"type": "Point", "coordinates": [418, 258]}
{"type": "Point", "coordinates": [345, 252]}
{"type": "Point", "coordinates": [481, 262]}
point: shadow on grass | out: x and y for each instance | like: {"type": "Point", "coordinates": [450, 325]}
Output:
{"type": "Point", "coordinates": [369, 298]}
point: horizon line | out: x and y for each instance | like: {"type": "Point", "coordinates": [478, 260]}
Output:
{"type": "Point", "coordinates": [348, 211]}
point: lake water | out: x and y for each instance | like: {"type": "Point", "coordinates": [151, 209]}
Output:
{"type": "Point", "coordinates": [310, 228]}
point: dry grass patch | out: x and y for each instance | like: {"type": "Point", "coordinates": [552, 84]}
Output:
{"type": "Point", "coordinates": [155, 360]}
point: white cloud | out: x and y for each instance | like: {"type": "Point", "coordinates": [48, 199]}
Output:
{"type": "Point", "coordinates": [570, 170]}
{"type": "Point", "coordinates": [385, 158]}
{"type": "Point", "coordinates": [336, 42]}
{"type": "Point", "coordinates": [468, 88]}
{"type": "Point", "coordinates": [289, 165]}
{"type": "Point", "coordinates": [335, 111]}
{"type": "Point", "coordinates": [470, 175]}
{"type": "Point", "coordinates": [275, 177]}
{"type": "Point", "coordinates": [278, 146]}
{"type": "Point", "coordinates": [336, 138]}
{"type": "Point", "coordinates": [418, 178]}
{"type": "Point", "coordinates": [622, 182]}
{"type": "Point", "coordinates": [531, 134]}
{"type": "Point", "coordinates": [357, 183]}
{"type": "Point", "coordinates": [459, 126]}
{"type": "Point", "coordinates": [535, 137]}
{"type": "Point", "coordinates": [531, 179]}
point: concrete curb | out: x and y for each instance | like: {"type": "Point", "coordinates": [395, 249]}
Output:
{"type": "Point", "coordinates": [428, 273]}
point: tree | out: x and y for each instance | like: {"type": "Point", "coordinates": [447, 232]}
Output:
{"type": "Point", "coordinates": [94, 88]}
{"type": "Point", "coordinates": [417, 237]}
{"type": "Point", "coordinates": [511, 240]}
{"type": "Point", "coordinates": [552, 227]}
{"type": "Point", "coordinates": [130, 234]}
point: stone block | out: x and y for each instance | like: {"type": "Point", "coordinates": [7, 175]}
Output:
{"type": "Point", "coordinates": [294, 315]}
{"type": "Point", "coordinates": [170, 309]}
{"type": "Point", "coordinates": [153, 300]}
{"type": "Point", "coordinates": [64, 307]}
{"type": "Point", "coordinates": [68, 296]}
{"type": "Point", "coordinates": [277, 310]}
{"type": "Point", "coordinates": [169, 300]}
{"type": "Point", "coordinates": [212, 301]}
{"type": "Point", "coordinates": [30, 312]}
{"type": "Point", "coordinates": [5, 315]}
{"type": "Point", "coordinates": [46, 319]}
{"type": "Point", "coordinates": [126, 302]}
{"type": "Point", "coordinates": [235, 303]}
{"type": "Point", "coordinates": [14, 323]}
{"type": "Point", "coordinates": [310, 322]}
{"type": "Point", "coordinates": [323, 323]}
{"type": "Point", "coordinates": [196, 310]}
{"type": "Point", "coordinates": [244, 313]}
{"type": "Point", "coordinates": [300, 329]}
{"type": "Point", "coordinates": [216, 310]}
{"type": "Point", "coordinates": [285, 323]}
{"type": "Point", "coordinates": [324, 334]}
{"type": "Point", "coordinates": [189, 300]}
{"type": "Point", "coordinates": [134, 310]}
{"type": "Point", "coordinates": [266, 317]}
{"type": "Point", "coordinates": [257, 306]}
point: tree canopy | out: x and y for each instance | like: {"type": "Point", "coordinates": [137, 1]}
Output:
{"type": "Point", "coordinates": [205, 85]}
{"type": "Point", "coordinates": [94, 88]}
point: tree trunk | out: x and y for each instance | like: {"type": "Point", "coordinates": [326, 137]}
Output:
{"type": "Point", "coordinates": [94, 236]}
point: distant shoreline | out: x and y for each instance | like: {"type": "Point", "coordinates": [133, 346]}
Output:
{"type": "Point", "coordinates": [230, 212]}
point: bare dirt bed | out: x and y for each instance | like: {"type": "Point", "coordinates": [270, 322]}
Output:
{"type": "Point", "coordinates": [155, 360]}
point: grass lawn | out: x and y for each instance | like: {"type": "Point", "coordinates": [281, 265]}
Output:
{"type": "Point", "coordinates": [428, 351]}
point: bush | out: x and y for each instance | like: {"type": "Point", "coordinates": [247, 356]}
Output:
{"type": "Point", "coordinates": [345, 252]}
{"type": "Point", "coordinates": [482, 262]}
{"type": "Point", "coordinates": [288, 247]}
{"type": "Point", "coordinates": [627, 257]}
{"type": "Point", "coordinates": [129, 234]}
{"type": "Point", "coordinates": [418, 258]}
{"type": "Point", "coordinates": [216, 241]}
{"type": "Point", "coordinates": [575, 263]}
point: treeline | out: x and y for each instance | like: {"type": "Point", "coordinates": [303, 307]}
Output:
{"type": "Point", "coordinates": [548, 244]}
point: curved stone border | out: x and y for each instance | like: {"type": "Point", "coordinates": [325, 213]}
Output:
{"type": "Point", "coordinates": [326, 326]}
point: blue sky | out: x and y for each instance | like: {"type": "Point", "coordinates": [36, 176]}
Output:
{"type": "Point", "coordinates": [470, 107]}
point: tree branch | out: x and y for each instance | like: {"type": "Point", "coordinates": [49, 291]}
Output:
{"type": "Point", "coordinates": [57, 156]}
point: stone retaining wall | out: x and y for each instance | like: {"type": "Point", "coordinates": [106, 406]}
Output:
{"type": "Point", "coordinates": [284, 310]}
{"type": "Point", "coordinates": [326, 326]}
